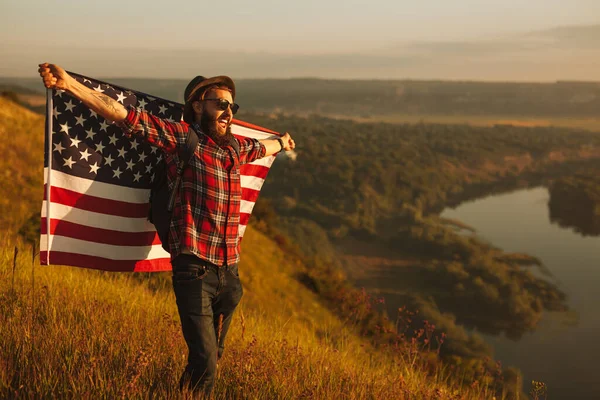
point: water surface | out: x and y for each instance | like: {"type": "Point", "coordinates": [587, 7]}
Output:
{"type": "Point", "coordinates": [564, 352]}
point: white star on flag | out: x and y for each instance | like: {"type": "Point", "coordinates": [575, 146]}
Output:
{"type": "Point", "coordinates": [90, 133]}
{"type": "Point", "coordinates": [142, 104]}
{"type": "Point", "coordinates": [64, 128]}
{"type": "Point", "coordinates": [59, 92]}
{"type": "Point", "coordinates": [58, 147]}
{"type": "Point", "coordinates": [162, 109]}
{"type": "Point", "coordinates": [148, 169]}
{"type": "Point", "coordinates": [121, 97]}
{"type": "Point", "coordinates": [69, 162]}
{"type": "Point", "coordinates": [117, 173]}
{"type": "Point", "coordinates": [113, 139]}
{"type": "Point", "coordinates": [84, 155]}
{"type": "Point", "coordinates": [100, 147]}
{"type": "Point", "coordinates": [122, 152]}
{"type": "Point", "coordinates": [103, 126]}
{"type": "Point", "coordinates": [108, 160]}
{"type": "Point", "coordinates": [69, 106]}
{"type": "Point", "coordinates": [74, 142]}
{"type": "Point", "coordinates": [99, 89]}
{"type": "Point", "coordinates": [94, 168]}
{"type": "Point", "coordinates": [130, 164]}
{"type": "Point", "coordinates": [56, 112]}
{"type": "Point", "coordinates": [136, 177]}
{"type": "Point", "coordinates": [80, 120]}
{"type": "Point", "coordinates": [142, 156]}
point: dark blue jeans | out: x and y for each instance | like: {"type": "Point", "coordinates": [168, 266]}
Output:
{"type": "Point", "coordinates": [206, 297]}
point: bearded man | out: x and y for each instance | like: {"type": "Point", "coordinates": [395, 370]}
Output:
{"type": "Point", "coordinates": [203, 235]}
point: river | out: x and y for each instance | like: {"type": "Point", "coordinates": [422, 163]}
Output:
{"type": "Point", "coordinates": [562, 352]}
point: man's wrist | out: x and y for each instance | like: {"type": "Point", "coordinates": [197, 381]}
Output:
{"type": "Point", "coordinates": [71, 84]}
{"type": "Point", "coordinates": [74, 87]}
{"type": "Point", "coordinates": [281, 144]}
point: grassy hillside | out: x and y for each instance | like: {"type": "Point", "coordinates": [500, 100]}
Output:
{"type": "Point", "coordinates": [74, 333]}
{"type": "Point", "coordinates": [21, 178]}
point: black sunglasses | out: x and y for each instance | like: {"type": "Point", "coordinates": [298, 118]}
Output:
{"type": "Point", "coordinates": [222, 105]}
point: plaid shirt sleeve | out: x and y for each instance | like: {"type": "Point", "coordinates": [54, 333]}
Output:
{"type": "Point", "coordinates": [161, 133]}
{"type": "Point", "coordinates": [250, 150]}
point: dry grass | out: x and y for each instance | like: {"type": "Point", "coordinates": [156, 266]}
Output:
{"type": "Point", "coordinates": [21, 175]}
{"type": "Point", "coordinates": [74, 333]}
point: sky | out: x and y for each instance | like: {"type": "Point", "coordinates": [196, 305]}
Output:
{"type": "Point", "coordinates": [535, 40]}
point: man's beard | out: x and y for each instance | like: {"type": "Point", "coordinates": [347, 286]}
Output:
{"type": "Point", "coordinates": [208, 127]}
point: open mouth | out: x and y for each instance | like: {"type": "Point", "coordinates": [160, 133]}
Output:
{"type": "Point", "coordinates": [223, 123]}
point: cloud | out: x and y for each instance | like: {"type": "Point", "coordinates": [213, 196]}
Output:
{"type": "Point", "coordinates": [560, 38]}
{"type": "Point", "coordinates": [573, 37]}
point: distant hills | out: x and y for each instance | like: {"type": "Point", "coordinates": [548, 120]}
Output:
{"type": "Point", "coordinates": [392, 100]}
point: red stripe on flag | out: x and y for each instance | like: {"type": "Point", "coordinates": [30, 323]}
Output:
{"type": "Point", "coordinates": [244, 218]}
{"type": "Point", "coordinates": [99, 235]}
{"type": "Point", "coordinates": [255, 127]}
{"type": "Point", "coordinates": [259, 171]}
{"type": "Point", "coordinates": [96, 204]}
{"type": "Point", "coordinates": [250, 194]}
{"type": "Point", "coordinates": [105, 264]}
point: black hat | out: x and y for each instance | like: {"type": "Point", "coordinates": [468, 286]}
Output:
{"type": "Point", "coordinates": [196, 86]}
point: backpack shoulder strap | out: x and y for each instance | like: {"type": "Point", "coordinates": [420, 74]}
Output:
{"type": "Point", "coordinates": [191, 142]}
{"type": "Point", "coordinates": [236, 146]}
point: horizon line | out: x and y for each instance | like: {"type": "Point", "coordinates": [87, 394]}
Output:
{"type": "Point", "coordinates": [376, 79]}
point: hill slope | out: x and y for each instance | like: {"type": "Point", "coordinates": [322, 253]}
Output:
{"type": "Point", "coordinates": [22, 149]}
{"type": "Point", "coordinates": [75, 333]}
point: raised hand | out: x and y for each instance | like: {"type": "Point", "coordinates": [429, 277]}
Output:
{"type": "Point", "coordinates": [288, 142]}
{"type": "Point", "coordinates": [54, 77]}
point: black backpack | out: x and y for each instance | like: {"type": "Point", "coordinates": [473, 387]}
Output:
{"type": "Point", "coordinates": [161, 200]}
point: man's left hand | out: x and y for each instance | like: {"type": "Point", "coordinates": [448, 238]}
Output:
{"type": "Point", "coordinates": [288, 142]}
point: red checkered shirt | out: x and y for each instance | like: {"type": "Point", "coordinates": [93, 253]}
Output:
{"type": "Point", "coordinates": [206, 216]}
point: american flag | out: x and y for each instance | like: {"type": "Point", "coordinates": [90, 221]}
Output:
{"type": "Point", "coordinates": [97, 184]}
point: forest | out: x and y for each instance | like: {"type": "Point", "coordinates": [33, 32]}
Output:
{"type": "Point", "coordinates": [384, 185]}
{"type": "Point", "coordinates": [575, 202]}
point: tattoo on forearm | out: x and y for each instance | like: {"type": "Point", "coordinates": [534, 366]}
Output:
{"type": "Point", "coordinates": [110, 103]}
